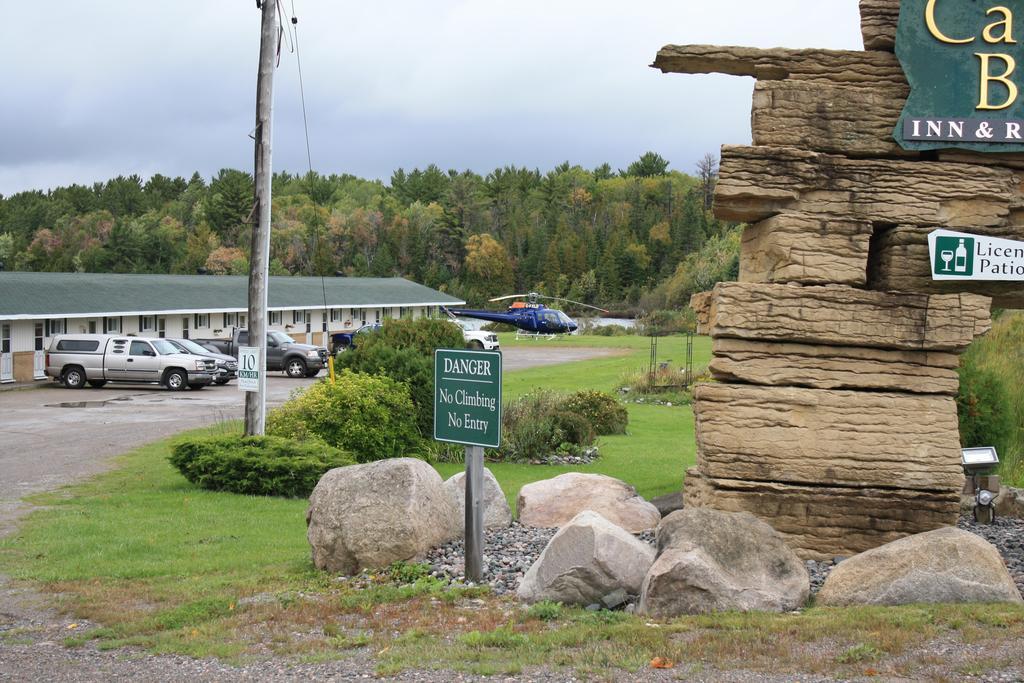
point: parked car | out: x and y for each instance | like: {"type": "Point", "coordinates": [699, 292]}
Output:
{"type": "Point", "coordinates": [477, 339]}
{"type": "Point", "coordinates": [227, 366]}
{"type": "Point", "coordinates": [77, 359]}
{"type": "Point", "coordinates": [283, 352]}
{"type": "Point", "coordinates": [347, 340]}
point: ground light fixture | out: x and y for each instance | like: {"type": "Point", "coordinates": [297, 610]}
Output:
{"type": "Point", "coordinates": [977, 462]}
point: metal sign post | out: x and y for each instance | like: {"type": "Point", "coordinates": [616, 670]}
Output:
{"type": "Point", "coordinates": [467, 411]}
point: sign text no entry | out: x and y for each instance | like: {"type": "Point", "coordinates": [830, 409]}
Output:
{"type": "Point", "coordinates": [467, 397]}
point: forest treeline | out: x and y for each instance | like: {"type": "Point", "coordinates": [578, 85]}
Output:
{"type": "Point", "coordinates": [640, 238]}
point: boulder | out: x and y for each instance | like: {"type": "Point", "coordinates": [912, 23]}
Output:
{"type": "Point", "coordinates": [588, 559]}
{"type": "Point", "coordinates": [497, 513]}
{"type": "Point", "coordinates": [368, 516]}
{"type": "Point", "coordinates": [711, 561]}
{"type": "Point", "coordinates": [1010, 503]}
{"type": "Point", "coordinates": [555, 502]}
{"type": "Point", "coordinates": [669, 503]}
{"type": "Point", "coordinates": [945, 565]}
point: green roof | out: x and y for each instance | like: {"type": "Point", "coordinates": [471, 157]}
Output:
{"type": "Point", "coordinates": [43, 295]}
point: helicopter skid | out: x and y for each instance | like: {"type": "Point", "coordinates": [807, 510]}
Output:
{"type": "Point", "coordinates": [520, 334]}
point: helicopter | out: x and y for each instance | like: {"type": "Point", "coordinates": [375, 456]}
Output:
{"type": "Point", "coordinates": [530, 316]}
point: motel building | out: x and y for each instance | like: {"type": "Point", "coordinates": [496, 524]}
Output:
{"type": "Point", "coordinates": [35, 307]}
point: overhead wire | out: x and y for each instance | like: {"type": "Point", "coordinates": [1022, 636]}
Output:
{"type": "Point", "coordinates": [292, 36]}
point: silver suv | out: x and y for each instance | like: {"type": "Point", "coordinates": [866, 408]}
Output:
{"type": "Point", "coordinates": [77, 359]}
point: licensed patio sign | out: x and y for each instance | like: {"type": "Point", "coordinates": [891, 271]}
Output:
{"type": "Point", "coordinates": [467, 397]}
{"type": "Point", "coordinates": [962, 256]}
{"type": "Point", "coordinates": [963, 62]}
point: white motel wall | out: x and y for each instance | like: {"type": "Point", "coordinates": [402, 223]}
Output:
{"type": "Point", "coordinates": [35, 307]}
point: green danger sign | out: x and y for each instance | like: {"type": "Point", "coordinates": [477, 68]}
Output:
{"type": "Point", "coordinates": [963, 62]}
{"type": "Point", "coordinates": [961, 256]}
{"type": "Point", "coordinates": [467, 397]}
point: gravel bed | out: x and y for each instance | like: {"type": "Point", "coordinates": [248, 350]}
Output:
{"type": "Point", "coordinates": [1008, 536]}
{"type": "Point", "coordinates": [509, 552]}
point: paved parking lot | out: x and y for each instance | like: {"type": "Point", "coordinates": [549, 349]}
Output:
{"type": "Point", "coordinates": [51, 436]}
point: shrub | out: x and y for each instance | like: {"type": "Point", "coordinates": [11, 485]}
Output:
{"type": "Point", "coordinates": [368, 415]}
{"type": "Point", "coordinates": [603, 411]}
{"type": "Point", "coordinates": [256, 465]}
{"type": "Point", "coordinates": [983, 407]}
{"type": "Point", "coordinates": [545, 610]}
{"type": "Point", "coordinates": [538, 426]}
{"type": "Point", "coordinates": [404, 351]}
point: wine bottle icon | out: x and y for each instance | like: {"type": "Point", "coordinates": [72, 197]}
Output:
{"type": "Point", "coordinates": [960, 264]}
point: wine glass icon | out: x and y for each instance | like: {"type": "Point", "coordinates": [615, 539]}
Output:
{"type": "Point", "coordinates": [947, 258]}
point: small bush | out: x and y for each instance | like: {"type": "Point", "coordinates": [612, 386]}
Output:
{"type": "Point", "coordinates": [256, 465]}
{"type": "Point", "coordinates": [537, 426]}
{"type": "Point", "coordinates": [370, 416]}
{"type": "Point", "coordinates": [603, 411]}
{"type": "Point", "coordinates": [404, 351]}
{"type": "Point", "coordinates": [545, 610]}
{"type": "Point", "coordinates": [610, 331]}
{"type": "Point", "coordinates": [983, 407]}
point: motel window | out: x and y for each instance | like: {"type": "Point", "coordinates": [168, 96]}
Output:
{"type": "Point", "coordinates": [55, 326]}
{"type": "Point", "coordinates": [147, 323]}
{"type": "Point", "coordinates": [5, 338]}
{"type": "Point", "coordinates": [335, 315]}
{"type": "Point", "coordinates": [39, 336]}
{"type": "Point", "coordinates": [230, 320]}
{"type": "Point", "coordinates": [111, 325]}
{"type": "Point", "coordinates": [376, 315]}
{"type": "Point", "coordinates": [275, 317]}
{"type": "Point", "coordinates": [201, 320]}
{"type": "Point", "coordinates": [362, 316]}
{"type": "Point", "coordinates": [323, 318]}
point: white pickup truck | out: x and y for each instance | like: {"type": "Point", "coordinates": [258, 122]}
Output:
{"type": "Point", "coordinates": [478, 339]}
{"type": "Point", "coordinates": [77, 359]}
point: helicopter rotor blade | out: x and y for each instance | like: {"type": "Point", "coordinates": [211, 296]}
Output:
{"type": "Point", "coordinates": [510, 296]}
{"type": "Point", "coordinates": [570, 301]}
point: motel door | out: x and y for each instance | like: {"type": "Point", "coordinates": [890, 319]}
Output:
{"type": "Point", "coordinates": [39, 359]}
{"type": "Point", "coordinates": [6, 358]}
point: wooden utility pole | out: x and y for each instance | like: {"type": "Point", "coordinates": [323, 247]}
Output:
{"type": "Point", "coordinates": [259, 260]}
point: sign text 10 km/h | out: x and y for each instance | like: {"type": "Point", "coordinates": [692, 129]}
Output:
{"type": "Point", "coordinates": [467, 397]}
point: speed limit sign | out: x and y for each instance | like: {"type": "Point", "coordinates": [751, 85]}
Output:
{"type": "Point", "coordinates": [249, 368]}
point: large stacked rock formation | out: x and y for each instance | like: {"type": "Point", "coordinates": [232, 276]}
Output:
{"type": "Point", "coordinates": [835, 354]}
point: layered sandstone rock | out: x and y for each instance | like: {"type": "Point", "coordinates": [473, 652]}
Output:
{"type": "Point", "coordinates": [845, 316]}
{"type": "Point", "coordinates": [878, 20]}
{"type": "Point", "coordinates": [807, 249]}
{"type": "Point", "coordinates": [822, 521]}
{"type": "Point", "coordinates": [758, 182]}
{"type": "Point", "coordinates": [782, 364]}
{"type": "Point", "coordinates": [810, 436]}
{"type": "Point", "coordinates": [836, 354]}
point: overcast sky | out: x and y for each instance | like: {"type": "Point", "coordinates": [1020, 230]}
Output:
{"type": "Point", "coordinates": [97, 89]}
